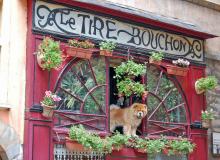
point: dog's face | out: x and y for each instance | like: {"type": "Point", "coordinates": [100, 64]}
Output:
{"type": "Point", "coordinates": [140, 110]}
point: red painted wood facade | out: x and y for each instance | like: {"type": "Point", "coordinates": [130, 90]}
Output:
{"type": "Point", "coordinates": [38, 139]}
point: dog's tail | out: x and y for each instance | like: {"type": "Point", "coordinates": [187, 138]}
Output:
{"type": "Point", "coordinates": [113, 106]}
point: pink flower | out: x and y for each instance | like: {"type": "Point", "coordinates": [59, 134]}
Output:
{"type": "Point", "coordinates": [56, 98]}
{"type": "Point", "coordinates": [48, 93]}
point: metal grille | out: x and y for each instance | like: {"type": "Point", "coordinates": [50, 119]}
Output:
{"type": "Point", "coordinates": [165, 157]}
{"type": "Point", "coordinates": [61, 153]}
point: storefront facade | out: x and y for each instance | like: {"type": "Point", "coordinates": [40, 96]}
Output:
{"type": "Point", "coordinates": [87, 87]}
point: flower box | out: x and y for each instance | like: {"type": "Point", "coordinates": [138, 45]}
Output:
{"type": "Point", "coordinates": [151, 61]}
{"type": "Point", "coordinates": [131, 152]}
{"type": "Point", "coordinates": [175, 70]}
{"type": "Point", "coordinates": [72, 145]}
{"type": "Point", "coordinates": [106, 53]}
{"type": "Point", "coordinates": [80, 52]}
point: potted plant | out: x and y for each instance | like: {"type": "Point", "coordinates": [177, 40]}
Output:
{"type": "Point", "coordinates": [127, 87]}
{"type": "Point", "coordinates": [80, 49]}
{"type": "Point", "coordinates": [207, 116]}
{"type": "Point", "coordinates": [150, 146]}
{"type": "Point", "coordinates": [180, 67]}
{"type": "Point", "coordinates": [82, 140]}
{"type": "Point", "coordinates": [156, 57]}
{"type": "Point", "coordinates": [204, 84]}
{"type": "Point", "coordinates": [180, 147]}
{"type": "Point", "coordinates": [118, 141]}
{"type": "Point", "coordinates": [49, 103]}
{"type": "Point", "coordinates": [49, 54]}
{"type": "Point", "coordinates": [129, 69]}
{"type": "Point", "coordinates": [107, 47]}
{"type": "Point", "coordinates": [125, 74]}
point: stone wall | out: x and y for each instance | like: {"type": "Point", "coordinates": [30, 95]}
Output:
{"type": "Point", "coordinates": [213, 101]}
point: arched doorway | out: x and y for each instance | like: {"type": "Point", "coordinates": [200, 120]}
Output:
{"type": "Point", "coordinates": [10, 146]}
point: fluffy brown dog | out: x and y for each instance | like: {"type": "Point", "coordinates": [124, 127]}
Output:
{"type": "Point", "coordinates": [130, 118]}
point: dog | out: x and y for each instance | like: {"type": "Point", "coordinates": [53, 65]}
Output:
{"type": "Point", "coordinates": [130, 118]}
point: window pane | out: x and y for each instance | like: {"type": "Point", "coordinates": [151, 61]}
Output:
{"type": "Point", "coordinates": [166, 106]}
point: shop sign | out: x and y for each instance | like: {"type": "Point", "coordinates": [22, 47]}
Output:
{"type": "Point", "coordinates": [67, 21]}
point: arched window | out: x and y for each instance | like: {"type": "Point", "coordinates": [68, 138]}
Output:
{"type": "Point", "coordinates": [84, 88]}
{"type": "Point", "coordinates": [167, 107]}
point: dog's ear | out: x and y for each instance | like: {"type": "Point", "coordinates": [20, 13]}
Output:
{"type": "Point", "coordinates": [135, 105]}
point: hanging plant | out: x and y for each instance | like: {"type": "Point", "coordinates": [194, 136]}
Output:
{"type": "Point", "coordinates": [129, 68]}
{"type": "Point", "coordinates": [125, 74]}
{"type": "Point", "coordinates": [127, 87]}
{"type": "Point", "coordinates": [49, 54]}
{"type": "Point", "coordinates": [204, 84]}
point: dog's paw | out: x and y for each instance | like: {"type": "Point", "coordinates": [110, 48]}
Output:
{"type": "Point", "coordinates": [134, 135]}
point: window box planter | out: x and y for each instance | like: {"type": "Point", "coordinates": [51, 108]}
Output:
{"type": "Point", "coordinates": [72, 145]}
{"type": "Point", "coordinates": [79, 52]}
{"type": "Point", "coordinates": [106, 53]}
{"type": "Point", "coordinates": [175, 70]}
{"type": "Point", "coordinates": [132, 152]}
{"type": "Point", "coordinates": [151, 61]}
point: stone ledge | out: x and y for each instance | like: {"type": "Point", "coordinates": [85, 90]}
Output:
{"type": "Point", "coordinates": [213, 56]}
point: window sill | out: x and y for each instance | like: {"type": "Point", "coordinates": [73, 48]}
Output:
{"type": "Point", "coordinates": [5, 106]}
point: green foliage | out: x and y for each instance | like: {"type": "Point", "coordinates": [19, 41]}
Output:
{"type": "Point", "coordinates": [129, 87]}
{"type": "Point", "coordinates": [129, 68]}
{"type": "Point", "coordinates": [207, 115]}
{"type": "Point", "coordinates": [207, 83]}
{"type": "Point", "coordinates": [93, 141]}
{"type": "Point", "coordinates": [117, 140]}
{"type": "Point", "coordinates": [50, 52]}
{"type": "Point", "coordinates": [81, 44]}
{"type": "Point", "coordinates": [107, 45]}
{"type": "Point", "coordinates": [151, 146]}
{"type": "Point", "coordinates": [125, 83]}
{"type": "Point", "coordinates": [156, 56]}
{"type": "Point", "coordinates": [182, 146]}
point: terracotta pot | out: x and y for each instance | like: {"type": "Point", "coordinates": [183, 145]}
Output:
{"type": "Point", "coordinates": [166, 150]}
{"type": "Point", "coordinates": [40, 60]}
{"type": "Point", "coordinates": [154, 62]}
{"type": "Point", "coordinates": [141, 150]}
{"type": "Point", "coordinates": [206, 123]}
{"type": "Point", "coordinates": [198, 91]}
{"type": "Point", "coordinates": [47, 110]}
{"type": "Point", "coordinates": [175, 70]}
{"type": "Point", "coordinates": [79, 52]}
{"type": "Point", "coordinates": [72, 145]}
{"type": "Point", "coordinates": [106, 53]}
{"type": "Point", "coordinates": [117, 148]}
